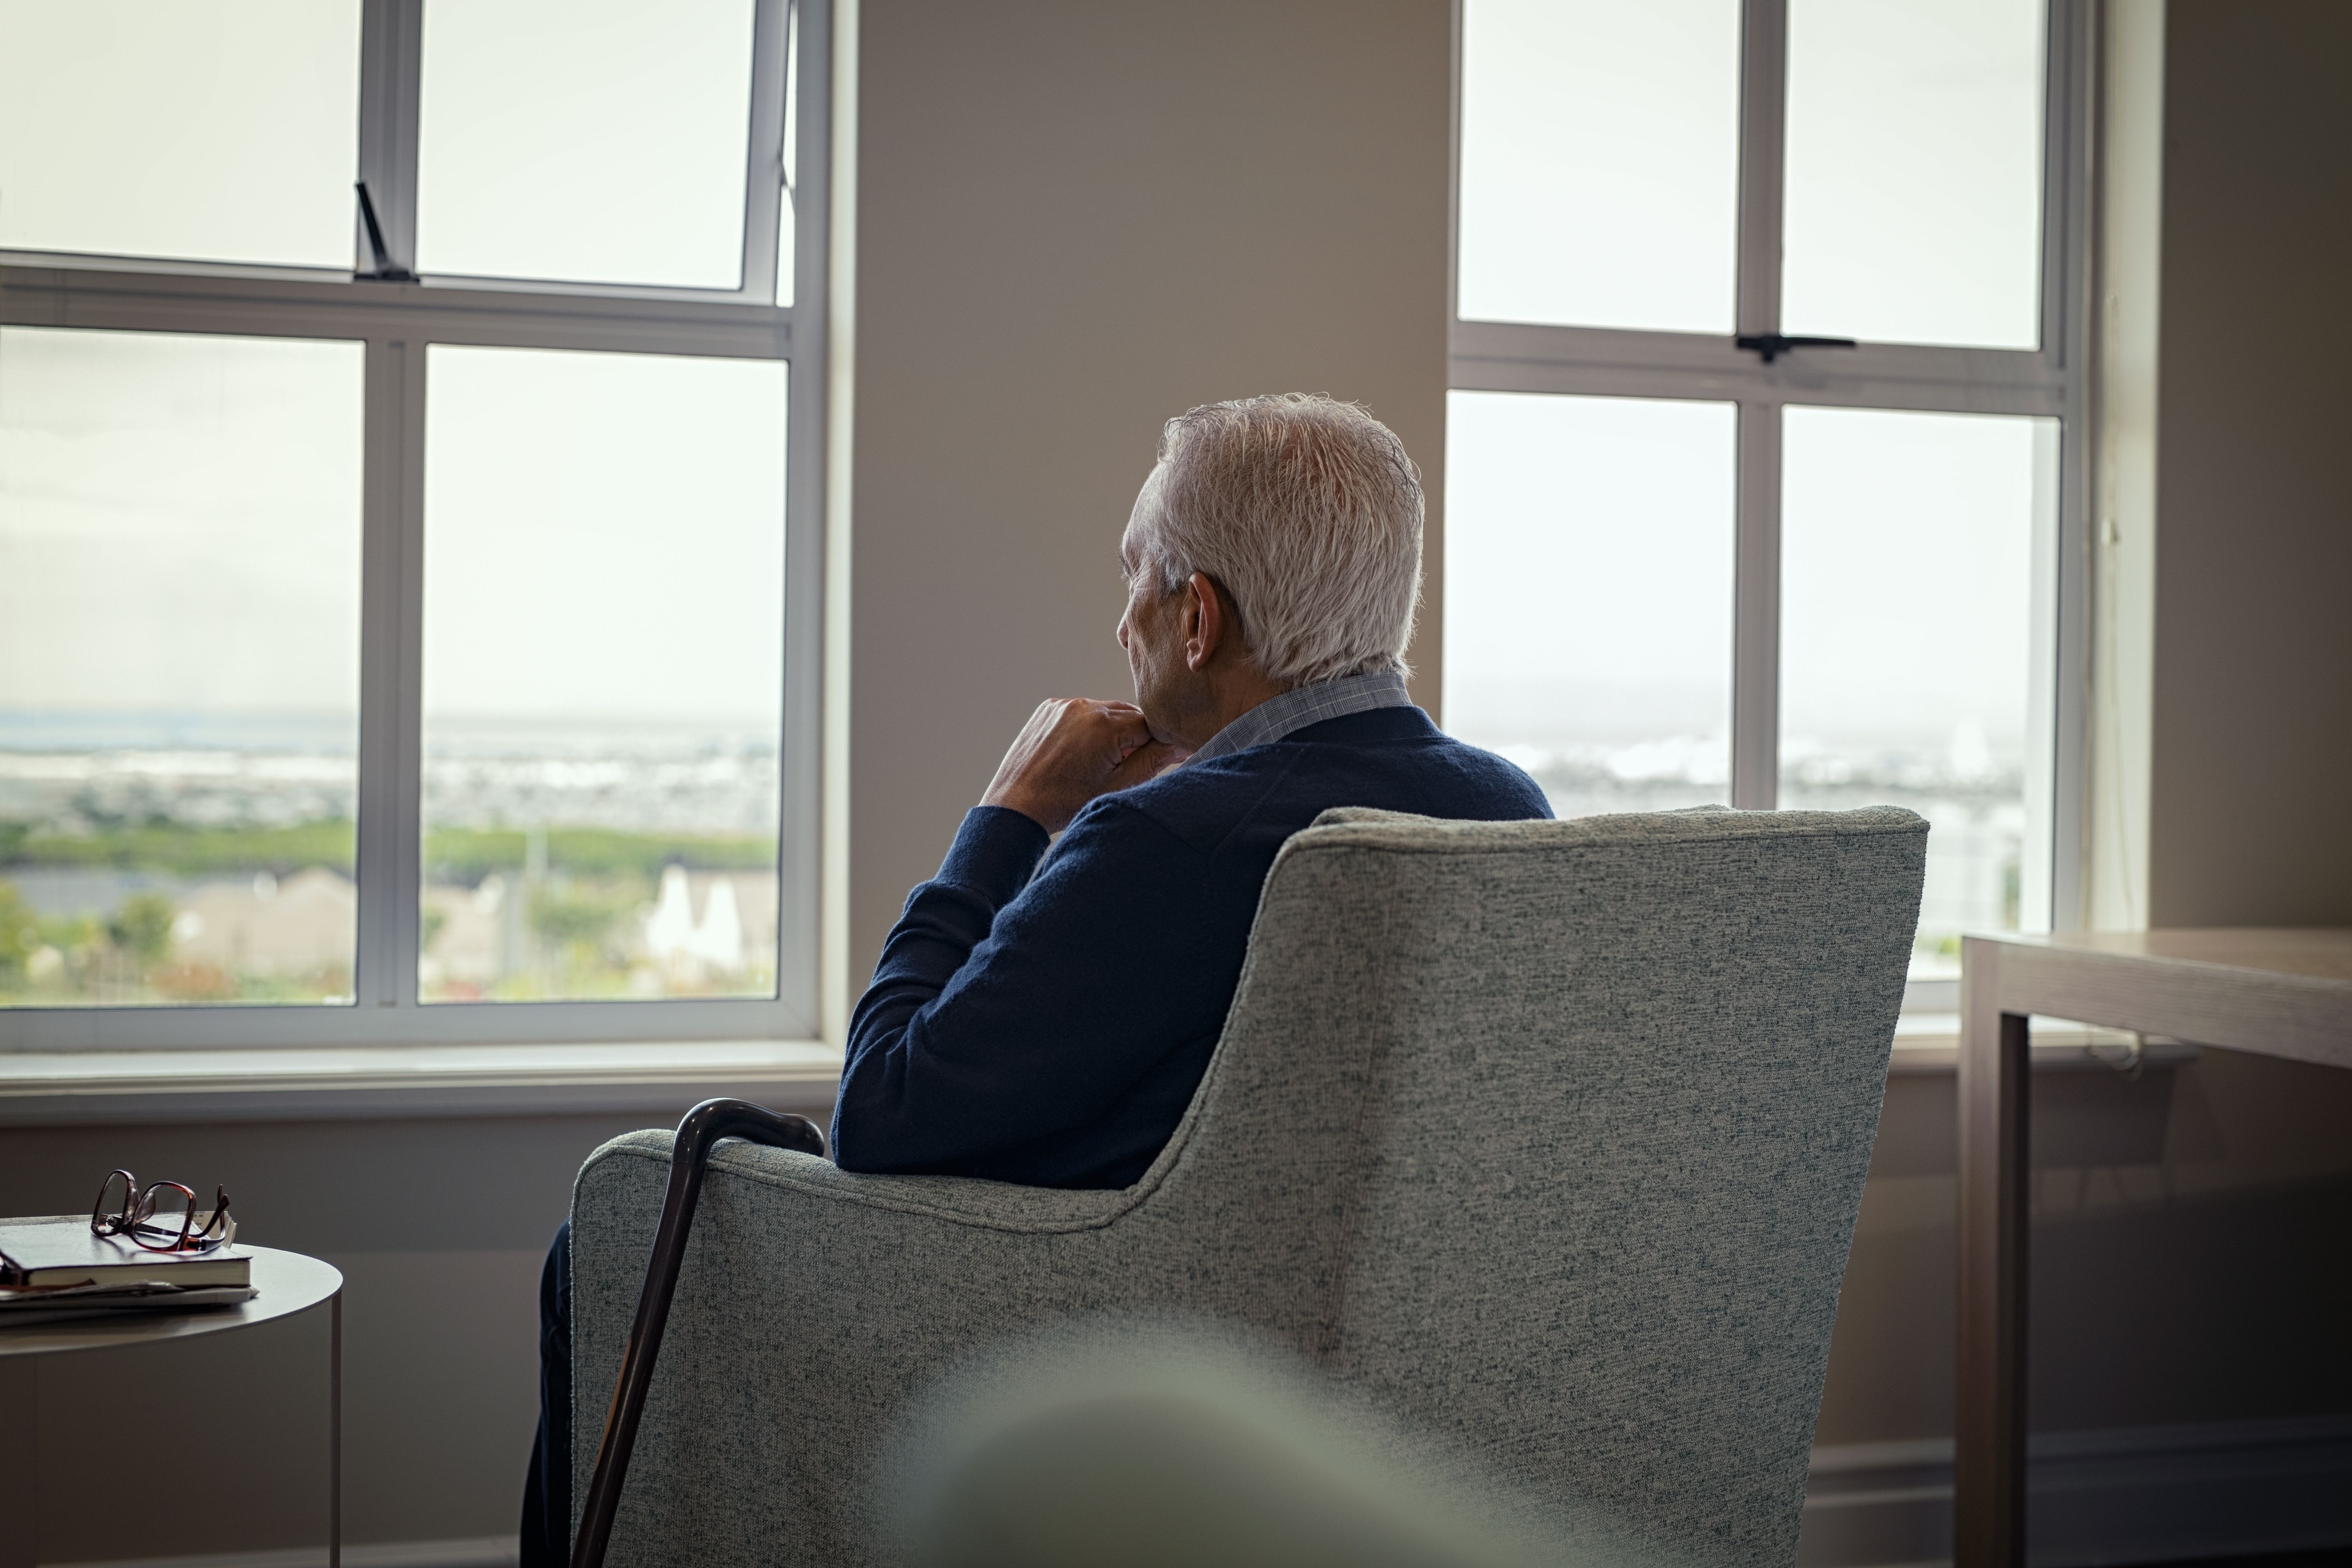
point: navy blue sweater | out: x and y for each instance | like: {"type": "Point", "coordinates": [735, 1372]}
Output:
{"type": "Point", "coordinates": [1050, 1029]}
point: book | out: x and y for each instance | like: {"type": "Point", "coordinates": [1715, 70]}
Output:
{"type": "Point", "coordinates": [56, 1251]}
{"type": "Point", "coordinates": [22, 1306]}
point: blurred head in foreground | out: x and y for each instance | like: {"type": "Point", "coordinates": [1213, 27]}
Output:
{"type": "Point", "coordinates": [1151, 1444]}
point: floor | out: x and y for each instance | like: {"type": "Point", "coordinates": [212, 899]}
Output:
{"type": "Point", "coordinates": [2329, 1557]}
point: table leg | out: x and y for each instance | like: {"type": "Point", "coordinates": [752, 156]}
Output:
{"type": "Point", "coordinates": [1988, 1469]}
{"type": "Point", "coordinates": [335, 1436]}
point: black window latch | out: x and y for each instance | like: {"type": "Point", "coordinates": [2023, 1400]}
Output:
{"type": "Point", "coordinates": [385, 273]}
{"type": "Point", "coordinates": [1770, 346]}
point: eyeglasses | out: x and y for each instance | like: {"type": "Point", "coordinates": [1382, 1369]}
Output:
{"type": "Point", "coordinates": [163, 1217]}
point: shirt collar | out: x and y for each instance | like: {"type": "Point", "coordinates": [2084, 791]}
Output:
{"type": "Point", "coordinates": [1303, 705]}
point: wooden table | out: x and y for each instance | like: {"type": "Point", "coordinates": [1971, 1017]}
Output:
{"type": "Point", "coordinates": [288, 1284]}
{"type": "Point", "coordinates": [2282, 993]}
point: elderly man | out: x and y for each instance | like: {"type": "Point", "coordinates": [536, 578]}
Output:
{"type": "Point", "coordinates": [1042, 1015]}
{"type": "Point", "coordinates": [1043, 1011]}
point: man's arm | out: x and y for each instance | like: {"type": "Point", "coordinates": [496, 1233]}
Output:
{"type": "Point", "coordinates": [998, 1011]}
{"type": "Point", "coordinates": [1002, 1012]}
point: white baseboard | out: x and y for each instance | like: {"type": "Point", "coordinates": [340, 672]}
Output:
{"type": "Point", "coordinates": [480, 1551]}
{"type": "Point", "coordinates": [2136, 1495]}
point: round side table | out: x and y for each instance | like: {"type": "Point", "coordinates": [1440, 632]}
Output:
{"type": "Point", "coordinates": [290, 1285]}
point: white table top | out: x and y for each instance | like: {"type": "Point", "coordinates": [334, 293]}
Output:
{"type": "Point", "coordinates": [2279, 992]}
{"type": "Point", "coordinates": [2311, 952]}
{"type": "Point", "coordinates": [288, 1283]}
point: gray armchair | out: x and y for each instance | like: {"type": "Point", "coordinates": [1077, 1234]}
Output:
{"type": "Point", "coordinates": [1548, 1138]}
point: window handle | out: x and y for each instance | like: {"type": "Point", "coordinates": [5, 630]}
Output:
{"type": "Point", "coordinates": [1767, 346]}
{"type": "Point", "coordinates": [385, 271]}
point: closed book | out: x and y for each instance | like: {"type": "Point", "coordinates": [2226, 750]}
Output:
{"type": "Point", "coordinates": [61, 1250]}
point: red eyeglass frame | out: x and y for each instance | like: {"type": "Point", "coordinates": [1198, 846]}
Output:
{"type": "Point", "coordinates": [139, 1207]}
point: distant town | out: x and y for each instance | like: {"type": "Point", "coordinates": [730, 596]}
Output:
{"type": "Point", "coordinates": [195, 874]}
{"type": "Point", "coordinates": [642, 863]}
{"type": "Point", "coordinates": [1973, 801]}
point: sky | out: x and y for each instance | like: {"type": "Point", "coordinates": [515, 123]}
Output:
{"type": "Point", "coordinates": [1589, 540]}
{"type": "Point", "coordinates": [179, 516]}
{"type": "Point", "coordinates": [1601, 162]}
{"type": "Point", "coordinates": [180, 528]}
{"type": "Point", "coordinates": [565, 139]}
{"type": "Point", "coordinates": [219, 132]}
{"type": "Point", "coordinates": [178, 521]}
{"type": "Point", "coordinates": [559, 139]}
{"type": "Point", "coordinates": [603, 535]}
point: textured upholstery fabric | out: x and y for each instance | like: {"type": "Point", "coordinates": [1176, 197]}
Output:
{"type": "Point", "coordinates": [1546, 1136]}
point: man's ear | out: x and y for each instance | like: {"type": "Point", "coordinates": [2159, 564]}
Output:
{"type": "Point", "coordinates": [1205, 620]}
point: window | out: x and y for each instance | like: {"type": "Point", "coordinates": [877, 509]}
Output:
{"type": "Point", "coordinates": [1691, 556]}
{"type": "Point", "coordinates": [410, 539]}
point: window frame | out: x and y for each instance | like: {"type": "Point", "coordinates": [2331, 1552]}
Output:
{"type": "Point", "coordinates": [397, 321]}
{"type": "Point", "coordinates": [2050, 381]}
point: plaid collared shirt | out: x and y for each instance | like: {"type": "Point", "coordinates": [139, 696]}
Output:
{"type": "Point", "coordinates": [1305, 705]}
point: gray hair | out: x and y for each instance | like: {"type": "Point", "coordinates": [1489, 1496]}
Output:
{"type": "Point", "coordinates": [1307, 512]}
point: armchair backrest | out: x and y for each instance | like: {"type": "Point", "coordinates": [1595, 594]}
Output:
{"type": "Point", "coordinates": [1578, 1114]}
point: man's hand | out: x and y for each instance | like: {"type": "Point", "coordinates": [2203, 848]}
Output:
{"type": "Point", "coordinates": [1072, 750]}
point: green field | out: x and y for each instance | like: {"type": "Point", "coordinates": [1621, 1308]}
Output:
{"type": "Point", "coordinates": [451, 854]}
{"type": "Point", "coordinates": [583, 887]}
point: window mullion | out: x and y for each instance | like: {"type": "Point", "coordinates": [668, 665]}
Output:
{"type": "Point", "coordinates": [1756, 592]}
{"type": "Point", "coordinates": [2068, 335]}
{"type": "Point", "coordinates": [392, 52]}
{"type": "Point", "coordinates": [2061, 170]}
{"type": "Point", "coordinates": [1756, 610]}
{"type": "Point", "coordinates": [402, 888]}
{"type": "Point", "coordinates": [386, 970]}
{"type": "Point", "coordinates": [802, 981]}
{"type": "Point", "coordinates": [1763, 124]}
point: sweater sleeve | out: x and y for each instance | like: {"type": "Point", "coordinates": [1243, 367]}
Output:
{"type": "Point", "coordinates": [1006, 1008]}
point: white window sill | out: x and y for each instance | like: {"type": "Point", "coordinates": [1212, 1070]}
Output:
{"type": "Point", "coordinates": [70, 1088]}
{"type": "Point", "coordinates": [63, 1088]}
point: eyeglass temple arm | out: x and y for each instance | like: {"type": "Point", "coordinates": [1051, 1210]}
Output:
{"type": "Point", "coordinates": [698, 1133]}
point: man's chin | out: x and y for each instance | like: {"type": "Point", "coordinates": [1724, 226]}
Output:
{"type": "Point", "coordinates": [1163, 717]}
{"type": "Point", "coordinates": [1155, 716]}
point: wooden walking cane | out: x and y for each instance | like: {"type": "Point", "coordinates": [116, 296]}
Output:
{"type": "Point", "coordinates": [689, 1154]}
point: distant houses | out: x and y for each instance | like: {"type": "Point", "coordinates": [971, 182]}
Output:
{"type": "Point", "coordinates": [693, 946]}
{"type": "Point", "coordinates": [703, 930]}
{"type": "Point", "coordinates": [267, 926]}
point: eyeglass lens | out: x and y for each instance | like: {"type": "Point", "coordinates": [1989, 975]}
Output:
{"type": "Point", "coordinates": [114, 1198]}
{"type": "Point", "coordinates": [166, 1210]}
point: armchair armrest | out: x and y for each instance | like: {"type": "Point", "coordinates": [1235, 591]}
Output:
{"type": "Point", "coordinates": [995, 1206]}
{"type": "Point", "coordinates": [811, 1305]}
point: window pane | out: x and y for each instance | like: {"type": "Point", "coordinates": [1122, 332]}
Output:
{"type": "Point", "coordinates": [1588, 594]}
{"type": "Point", "coordinates": [199, 129]}
{"type": "Point", "coordinates": [179, 667]}
{"type": "Point", "coordinates": [1906, 614]}
{"type": "Point", "coordinates": [604, 687]}
{"type": "Point", "coordinates": [1914, 171]}
{"type": "Point", "coordinates": [1599, 162]}
{"type": "Point", "coordinates": [595, 141]}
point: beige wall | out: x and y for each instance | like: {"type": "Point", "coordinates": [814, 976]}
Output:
{"type": "Point", "coordinates": [2252, 760]}
{"type": "Point", "coordinates": [1075, 219]}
